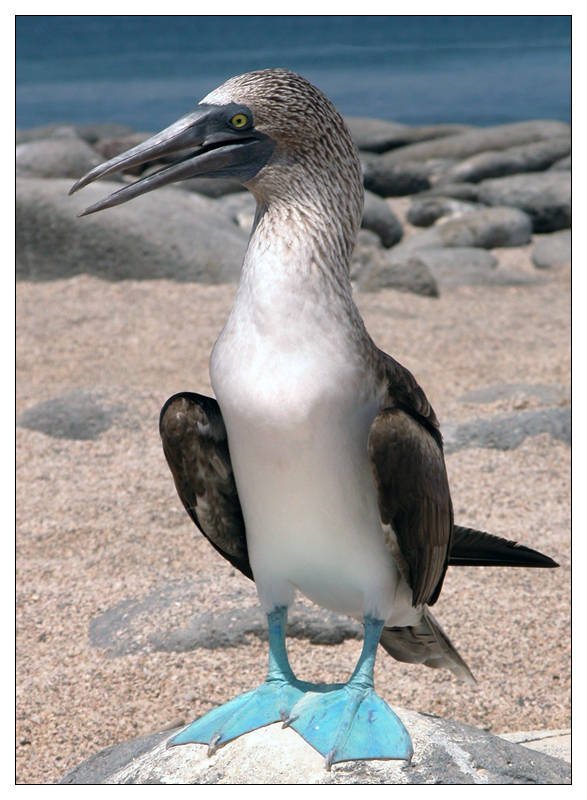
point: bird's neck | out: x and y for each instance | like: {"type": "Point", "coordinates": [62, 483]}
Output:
{"type": "Point", "coordinates": [304, 231]}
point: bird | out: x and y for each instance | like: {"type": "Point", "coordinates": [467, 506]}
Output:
{"type": "Point", "coordinates": [318, 467]}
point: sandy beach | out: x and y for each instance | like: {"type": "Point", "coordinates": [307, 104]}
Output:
{"type": "Point", "coordinates": [101, 534]}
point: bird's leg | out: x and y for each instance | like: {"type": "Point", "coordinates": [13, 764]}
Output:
{"type": "Point", "coordinates": [350, 722]}
{"type": "Point", "coordinates": [270, 702]}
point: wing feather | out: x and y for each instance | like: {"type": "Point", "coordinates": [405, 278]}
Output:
{"type": "Point", "coordinates": [196, 448]}
{"type": "Point", "coordinates": [410, 474]}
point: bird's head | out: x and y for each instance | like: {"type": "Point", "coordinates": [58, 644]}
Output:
{"type": "Point", "coordinates": [268, 129]}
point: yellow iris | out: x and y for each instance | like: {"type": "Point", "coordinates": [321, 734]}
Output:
{"type": "Point", "coordinates": [239, 120]}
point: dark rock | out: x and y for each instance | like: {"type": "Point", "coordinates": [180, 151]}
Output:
{"type": "Point", "coordinates": [410, 274]}
{"type": "Point", "coordinates": [487, 228]}
{"type": "Point", "coordinates": [479, 140]}
{"type": "Point", "coordinates": [533, 157]}
{"type": "Point", "coordinates": [424, 211]}
{"type": "Point", "coordinates": [379, 135]}
{"type": "Point", "coordinates": [445, 752]}
{"type": "Point", "coordinates": [170, 234]}
{"type": "Point", "coordinates": [392, 180]}
{"type": "Point", "coordinates": [553, 251]}
{"type": "Point", "coordinates": [379, 218]}
{"type": "Point", "coordinates": [508, 433]}
{"type": "Point", "coordinates": [74, 415]}
{"type": "Point", "coordinates": [55, 158]}
{"type": "Point", "coordinates": [544, 196]}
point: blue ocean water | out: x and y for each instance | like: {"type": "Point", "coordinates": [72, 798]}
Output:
{"type": "Point", "coordinates": [149, 70]}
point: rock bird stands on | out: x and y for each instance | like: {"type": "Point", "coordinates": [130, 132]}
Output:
{"type": "Point", "coordinates": [319, 468]}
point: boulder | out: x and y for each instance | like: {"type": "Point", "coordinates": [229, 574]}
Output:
{"type": "Point", "coordinates": [379, 218]}
{"type": "Point", "coordinates": [212, 187]}
{"type": "Point", "coordinates": [239, 207]}
{"type": "Point", "coordinates": [168, 234]}
{"type": "Point", "coordinates": [67, 157]}
{"type": "Point", "coordinates": [380, 135]}
{"type": "Point", "coordinates": [386, 179]}
{"type": "Point", "coordinates": [112, 146]}
{"type": "Point", "coordinates": [91, 132]}
{"type": "Point", "coordinates": [425, 211]}
{"type": "Point", "coordinates": [508, 432]}
{"type": "Point", "coordinates": [381, 270]}
{"type": "Point", "coordinates": [533, 157]}
{"type": "Point", "coordinates": [479, 140]}
{"type": "Point", "coordinates": [564, 164]}
{"type": "Point", "coordinates": [488, 228]}
{"type": "Point", "coordinates": [469, 192]}
{"type": "Point", "coordinates": [469, 266]}
{"type": "Point", "coordinates": [445, 752]}
{"type": "Point", "coordinates": [553, 250]}
{"type": "Point", "coordinates": [544, 196]}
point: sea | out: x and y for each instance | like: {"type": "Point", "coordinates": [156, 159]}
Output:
{"type": "Point", "coordinates": [147, 71]}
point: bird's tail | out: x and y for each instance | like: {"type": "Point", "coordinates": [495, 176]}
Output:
{"type": "Point", "coordinates": [471, 548]}
{"type": "Point", "coordinates": [426, 644]}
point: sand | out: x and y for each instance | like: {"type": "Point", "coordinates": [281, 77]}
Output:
{"type": "Point", "coordinates": [99, 523]}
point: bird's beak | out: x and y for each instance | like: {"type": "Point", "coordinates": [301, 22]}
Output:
{"type": "Point", "coordinates": [220, 152]}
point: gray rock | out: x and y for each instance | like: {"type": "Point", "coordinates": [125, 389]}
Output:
{"type": "Point", "coordinates": [478, 140]}
{"type": "Point", "coordinates": [468, 192]}
{"type": "Point", "coordinates": [487, 228]}
{"type": "Point", "coordinates": [393, 180]}
{"type": "Point", "coordinates": [548, 395]}
{"type": "Point", "coordinates": [55, 158]}
{"type": "Point", "coordinates": [553, 251]}
{"type": "Point", "coordinates": [533, 157]}
{"type": "Point", "coordinates": [212, 187]}
{"type": "Point", "coordinates": [461, 266]}
{"type": "Point", "coordinates": [74, 415]}
{"type": "Point", "coordinates": [112, 146]}
{"type": "Point", "coordinates": [445, 752]}
{"type": "Point", "coordinates": [508, 433]}
{"type": "Point", "coordinates": [425, 211]}
{"type": "Point", "coordinates": [381, 270]}
{"type": "Point", "coordinates": [170, 234]}
{"type": "Point", "coordinates": [91, 132]}
{"type": "Point", "coordinates": [133, 626]}
{"type": "Point", "coordinates": [239, 207]}
{"type": "Point", "coordinates": [563, 165]}
{"type": "Point", "coordinates": [379, 218]}
{"type": "Point", "coordinates": [544, 196]}
{"type": "Point", "coordinates": [380, 135]}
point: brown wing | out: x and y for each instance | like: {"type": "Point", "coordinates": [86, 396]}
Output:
{"type": "Point", "coordinates": [410, 474]}
{"type": "Point", "coordinates": [196, 448]}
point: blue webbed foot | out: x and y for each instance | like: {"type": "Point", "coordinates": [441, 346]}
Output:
{"type": "Point", "coordinates": [350, 723]}
{"type": "Point", "coordinates": [270, 702]}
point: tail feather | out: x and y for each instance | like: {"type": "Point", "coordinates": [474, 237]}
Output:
{"type": "Point", "coordinates": [471, 548]}
{"type": "Point", "coordinates": [426, 644]}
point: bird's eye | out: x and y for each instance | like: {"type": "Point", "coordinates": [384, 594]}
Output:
{"type": "Point", "coordinates": [239, 120]}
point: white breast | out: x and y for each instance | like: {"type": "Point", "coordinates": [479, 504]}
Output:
{"type": "Point", "coordinates": [298, 415]}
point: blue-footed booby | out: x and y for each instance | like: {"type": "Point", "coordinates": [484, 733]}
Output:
{"type": "Point", "coordinates": [319, 466]}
